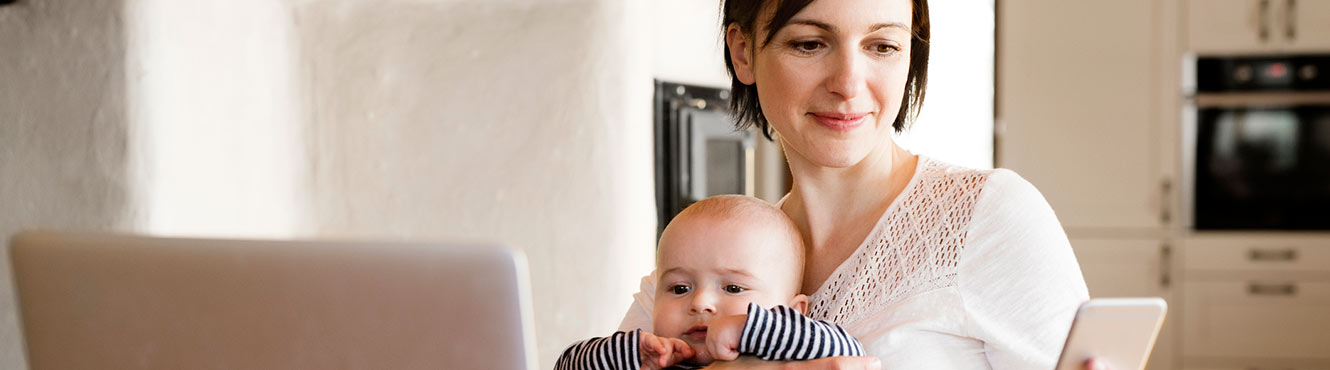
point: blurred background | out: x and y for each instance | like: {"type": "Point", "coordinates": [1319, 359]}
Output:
{"type": "Point", "coordinates": [1184, 144]}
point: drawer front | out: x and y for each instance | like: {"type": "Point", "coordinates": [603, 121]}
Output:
{"type": "Point", "coordinates": [1260, 319]}
{"type": "Point", "coordinates": [1275, 253]}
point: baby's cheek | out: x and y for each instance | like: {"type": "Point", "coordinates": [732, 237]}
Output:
{"type": "Point", "coordinates": [739, 306]}
{"type": "Point", "coordinates": [667, 323]}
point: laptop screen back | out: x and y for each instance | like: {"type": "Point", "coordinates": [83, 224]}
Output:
{"type": "Point", "coordinates": [92, 301]}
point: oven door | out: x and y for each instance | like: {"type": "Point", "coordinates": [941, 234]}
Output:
{"type": "Point", "coordinates": [1261, 162]}
{"type": "Point", "coordinates": [698, 152]}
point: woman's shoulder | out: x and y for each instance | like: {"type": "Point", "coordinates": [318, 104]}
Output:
{"type": "Point", "coordinates": [990, 187]}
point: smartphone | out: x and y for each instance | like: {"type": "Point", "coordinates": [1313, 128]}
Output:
{"type": "Point", "coordinates": [1118, 332]}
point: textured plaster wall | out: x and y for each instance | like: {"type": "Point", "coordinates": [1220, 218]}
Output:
{"type": "Point", "coordinates": [63, 132]}
{"type": "Point", "coordinates": [217, 117]}
{"type": "Point", "coordinates": [524, 122]}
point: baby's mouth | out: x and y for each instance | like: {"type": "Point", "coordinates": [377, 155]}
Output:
{"type": "Point", "coordinates": [696, 333]}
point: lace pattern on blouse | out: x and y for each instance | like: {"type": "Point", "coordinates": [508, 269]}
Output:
{"type": "Point", "coordinates": [912, 249]}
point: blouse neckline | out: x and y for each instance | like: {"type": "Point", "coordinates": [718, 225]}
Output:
{"type": "Point", "coordinates": [891, 209]}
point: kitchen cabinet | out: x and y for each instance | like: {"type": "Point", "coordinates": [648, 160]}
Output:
{"type": "Point", "coordinates": [1132, 268]}
{"type": "Point", "coordinates": [1258, 26]}
{"type": "Point", "coordinates": [1077, 108]}
{"type": "Point", "coordinates": [1311, 22]}
{"type": "Point", "coordinates": [1218, 26]}
{"type": "Point", "coordinates": [1296, 255]}
{"type": "Point", "coordinates": [1256, 300]}
{"type": "Point", "coordinates": [1257, 318]}
{"type": "Point", "coordinates": [1124, 267]}
{"type": "Point", "coordinates": [1090, 110]}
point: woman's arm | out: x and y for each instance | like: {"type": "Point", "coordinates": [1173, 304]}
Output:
{"type": "Point", "coordinates": [1019, 281]}
{"type": "Point", "coordinates": [829, 363]}
{"type": "Point", "coordinates": [639, 313]}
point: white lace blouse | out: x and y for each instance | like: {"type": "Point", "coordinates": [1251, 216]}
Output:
{"type": "Point", "coordinates": [967, 269]}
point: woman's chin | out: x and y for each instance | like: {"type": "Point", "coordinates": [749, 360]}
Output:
{"type": "Point", "coordinates": [832, 151]}
{"type": "Point", "coordinates": [842, 158]}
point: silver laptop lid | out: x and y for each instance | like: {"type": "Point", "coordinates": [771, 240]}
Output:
{"type": "Point", "coordinates": [95, 301]}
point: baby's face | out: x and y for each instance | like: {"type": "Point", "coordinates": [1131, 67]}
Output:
{"type": "Point", "coordinates": [710, 268]}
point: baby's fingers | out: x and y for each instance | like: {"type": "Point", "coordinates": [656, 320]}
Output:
{"type": "Point", "coordinates": [655, 347]}
{"type": "Point", "coordinates": [681, 349]}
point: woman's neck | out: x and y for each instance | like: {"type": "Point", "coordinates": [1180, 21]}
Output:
{"type": "Point", "coordinates": [834, 206]}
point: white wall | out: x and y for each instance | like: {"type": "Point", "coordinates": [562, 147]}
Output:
{"type": "Point", "coordinates": [216, 117]}
{"type": "Point", "coordinates": [956, 123]}
{"type": "Point", "coordinates": [686, 43]}
{"type": "Point", "coordinates": [524, 122]}
{"type": "Point", "coordinates": [63, 131]}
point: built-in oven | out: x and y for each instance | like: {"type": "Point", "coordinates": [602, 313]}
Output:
{"type": "Point", "coordinates": [1257, 143]}
{"type": "Point", "coordinates": [698, 151]}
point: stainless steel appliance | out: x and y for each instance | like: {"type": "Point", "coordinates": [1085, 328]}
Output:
{"type": "Point", "coordinates": [698, 151]}
{"type": "Point", "coordinates": [1257, 149]}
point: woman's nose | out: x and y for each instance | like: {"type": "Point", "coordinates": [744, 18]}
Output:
{"type": "Point", "coordinates": [847, 73]}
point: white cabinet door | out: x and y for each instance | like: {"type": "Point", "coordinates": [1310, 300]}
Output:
{"type": "Point", "coordinates": [1131, 268]}
{"type": "Point", "coordinates": [1228, 26]}
{"type": "Point", "coordinates": [1258, 26]}
{"type": "Point", "coordinates": [1076, 93]}
{"type": "Point", "coordinates": [1310, 22]}
{"type": "Point", "coordinates": [1258, 318]}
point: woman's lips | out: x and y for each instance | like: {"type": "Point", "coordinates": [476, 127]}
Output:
{"type": "Point", "coordinates": [842, 122]}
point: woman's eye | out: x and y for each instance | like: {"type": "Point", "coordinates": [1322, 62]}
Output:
{"type": "Point", "coordinates": [884, 49]}
{"type": "Point", "coordinates": [806, 46]}
{"type": "Point", "coordinates": [679, 289]}
{"type": "Point", "coordinates": [734, 289]}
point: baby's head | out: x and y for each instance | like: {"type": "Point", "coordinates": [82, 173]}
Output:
{"type": "Point", "coordinates": [718, 255]}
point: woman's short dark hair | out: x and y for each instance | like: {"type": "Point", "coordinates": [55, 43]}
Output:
{"type": "Point", "coordinates": [743, 98]}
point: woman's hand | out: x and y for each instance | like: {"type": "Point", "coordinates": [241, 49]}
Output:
{"type": "Point", "coordinates": [1092, 364]}
{"type": "Point", "coordinates": [829, 363]}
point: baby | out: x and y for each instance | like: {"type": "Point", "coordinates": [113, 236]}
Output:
{"type": "Point", "coordinates": [719, 262]}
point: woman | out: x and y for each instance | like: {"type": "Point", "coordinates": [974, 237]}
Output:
{"type": "Point", "coordinates": [930, 265]}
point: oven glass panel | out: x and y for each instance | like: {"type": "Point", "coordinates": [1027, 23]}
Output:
{"type": "Point", "coordinates": [725, 166]}
{"type": "Point", "coordinates": [1263, 168]}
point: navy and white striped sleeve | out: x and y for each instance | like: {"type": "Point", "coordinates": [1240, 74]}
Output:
{"type": "Point", "coordinates": [618, 351]}
{"type": "Point", "coordinates": [783, 334]}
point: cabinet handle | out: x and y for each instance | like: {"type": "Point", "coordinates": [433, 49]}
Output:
{"type": "Point", "coordinates": [1264, 21]}
{"type": "Point", "coordinates": [1165, 268]}
{"type": "Point", "coordinates": [1264, 255]}
{"type": "Point", "coordinates": [1165, 187]}
{"type": "Point", "coordinates": [1291, 19]}
{"type": "Point", "coordinates": [1272, 289]}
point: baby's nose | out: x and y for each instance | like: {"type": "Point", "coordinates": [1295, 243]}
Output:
{"type": "Point", "coordinates": [703, 303]}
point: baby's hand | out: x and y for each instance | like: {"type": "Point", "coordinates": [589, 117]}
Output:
{"type": "Point", "coordinates": [659, 353]}
{"type": "Point", "coordinates": [723, 336]}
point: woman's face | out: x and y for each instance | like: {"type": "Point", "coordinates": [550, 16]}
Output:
{"type": "Point", "coordinates": [831, 80]}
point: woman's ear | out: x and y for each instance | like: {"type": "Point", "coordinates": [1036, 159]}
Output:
{"type": "Point", "coordinates": [739, 45]}
{"type": "Point", "coordinates": [799, 303]}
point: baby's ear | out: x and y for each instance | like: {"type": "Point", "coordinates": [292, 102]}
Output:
{"type": "Point", "coordinates": [799, 303]}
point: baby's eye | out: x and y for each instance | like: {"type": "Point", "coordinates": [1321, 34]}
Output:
{"type": "Point", "coordinates": [734, 289]}
{"type": "Point", "coordinates": [680, 289]}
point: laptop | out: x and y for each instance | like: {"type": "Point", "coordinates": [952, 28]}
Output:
{"type": "Point", "coordinates": [98, 301]}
